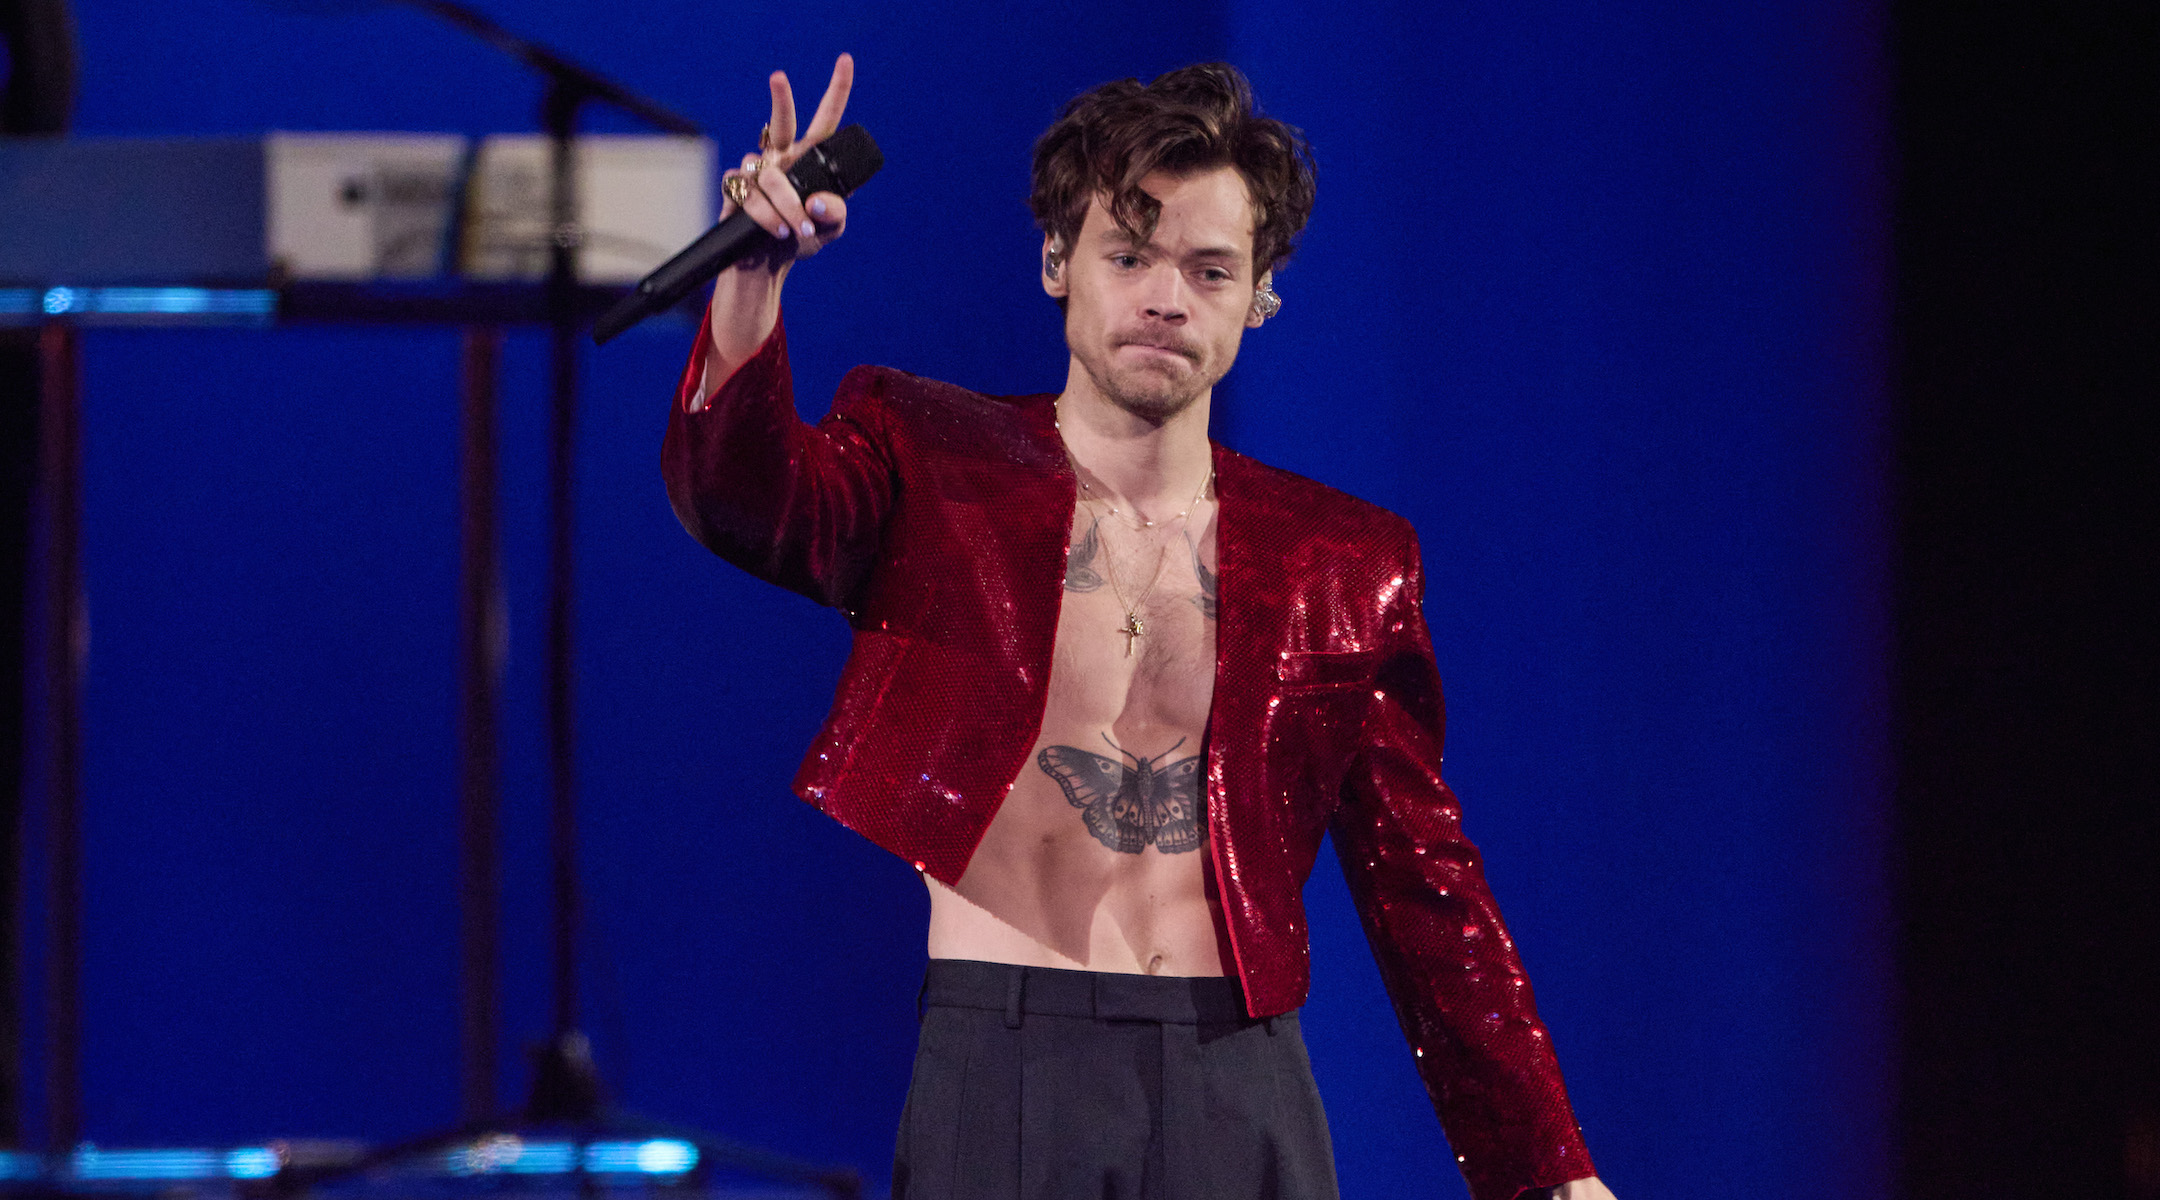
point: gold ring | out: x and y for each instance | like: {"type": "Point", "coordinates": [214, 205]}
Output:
{"type": "Point", "coordinates": [764, 138]}
{"type": "Point", "coordinates": [736, 187]}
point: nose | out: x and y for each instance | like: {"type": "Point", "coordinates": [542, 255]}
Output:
{"type": "Point", "coordinates": [1165, 298]}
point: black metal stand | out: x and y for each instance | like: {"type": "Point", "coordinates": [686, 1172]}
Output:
{"type": "Point", "coordinates": [566, 1101]}
{"type": "Point", "coordinates": [66, 638]}
{"type": "Point", "coordinates": [566, 1095]}
{"type": "Point", "coordinates": [566, 1084]}
{"type": "Point", "coordinates": [480, 666]}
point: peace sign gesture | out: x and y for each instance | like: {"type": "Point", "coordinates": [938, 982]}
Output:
{"type": "Point", "coordinates": [746, 296]}
{"type": "Point", "coordinates": [760, 185]}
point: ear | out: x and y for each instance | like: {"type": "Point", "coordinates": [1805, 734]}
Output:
{"type": "Point", "coordinates": [1055, 266]}
{"type": "Point", "coordinates": [1254, 315]}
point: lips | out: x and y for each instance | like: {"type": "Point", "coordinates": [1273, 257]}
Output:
{"type": "Point", "coordinates": [1178, 348]}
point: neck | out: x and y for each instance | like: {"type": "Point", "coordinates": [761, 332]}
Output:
{"type": "Point", "coordinates": [1148, 464]}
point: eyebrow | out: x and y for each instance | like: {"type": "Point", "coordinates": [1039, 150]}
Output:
{"type": "Point", "coordinates": [1210, 253]}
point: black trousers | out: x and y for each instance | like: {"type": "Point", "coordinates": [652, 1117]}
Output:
{"type": "Point", "coordinates": [1039, 1084]}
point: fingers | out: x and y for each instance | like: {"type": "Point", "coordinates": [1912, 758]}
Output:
{"type": "Point", "coordinates": [767, 185]}
{"type": "Point", "coordinates": [830, 213]}
{"type": "Point", "coordinates": [827, 117]}
{"type": "Point", "coordinates": [772, 184]}
{"type": "Point", "coordinates": [772, 200]}
{"type": "Point", "coordinates": [775, 206]}
{"type": "Point", "coordinates": [745, 170]}
{"type": "Point", "coordinates": [782, 125]}
{"type": "Point", "coordinates": [728, 206]}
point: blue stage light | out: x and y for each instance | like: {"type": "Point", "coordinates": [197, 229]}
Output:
{"type": "Point", "coordinates": [545, 1158]}
{"type": "Point", "coordinates": [666, 1156]}
{"type": "Point", "coordinates": [183, 301]}
{"type": "Point", "coordinates": [89, 1162]}
{"type": "Point", "coordinates": [252, 1162]}
{"type": "Point", "coordinates": [514, 1156]}
{"type": "Point", "coordinates": [660, 1156]}
{"type": "Point", "coordinates": [157, 304]}
{"type": "Point", "coordinates": [502, 1154]}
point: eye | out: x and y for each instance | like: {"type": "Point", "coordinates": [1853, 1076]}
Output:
{"type": "Point", "coordinates": [1125, 262]}
{"type": "Point", "coordinates": [1216, 275]}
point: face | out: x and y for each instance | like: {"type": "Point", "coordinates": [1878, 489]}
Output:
{"type": "Point", "coordinates": [1154, 325]}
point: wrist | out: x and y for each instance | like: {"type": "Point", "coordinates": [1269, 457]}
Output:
{"type": "Point", "coordinates": [745, 310]}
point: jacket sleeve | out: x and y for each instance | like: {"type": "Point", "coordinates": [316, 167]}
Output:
{"type": "Point", "coordinates": [802, 506]}
{"type": "Point", "coordinates": [1452, 971]}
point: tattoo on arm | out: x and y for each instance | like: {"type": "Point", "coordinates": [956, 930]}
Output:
{"type": "Point", "coordinates": [1080, 572]}
{"type": "Point", "coordinates": [1206, 600]}
{"type": "Point", "coordinates": [1129, 808]}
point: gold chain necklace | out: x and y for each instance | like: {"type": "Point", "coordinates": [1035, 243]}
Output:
{"type": "Point", "coordinates": [1135, 628]}
{"type": "Point", "coordinates": [1143, 522]}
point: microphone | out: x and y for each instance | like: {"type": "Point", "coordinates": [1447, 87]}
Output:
{"type": "Point", "coordinates": [839, 164]}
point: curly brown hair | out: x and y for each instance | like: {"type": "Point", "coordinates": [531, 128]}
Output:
{"type": "Point", "coordinates": [1192, 119]}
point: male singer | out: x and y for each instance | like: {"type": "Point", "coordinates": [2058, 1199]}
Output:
{"type": "Point", "coordinates": [1110, 685]}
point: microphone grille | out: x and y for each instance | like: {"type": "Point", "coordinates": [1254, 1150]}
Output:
{"type": "Point", "coordinates": [840, 163]}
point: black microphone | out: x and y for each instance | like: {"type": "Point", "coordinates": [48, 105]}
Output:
{"type": "Point", "coordinates": [839, 164]}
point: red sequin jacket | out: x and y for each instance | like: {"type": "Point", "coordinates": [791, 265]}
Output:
{"type": "Point", "coordinates": [937, 519]}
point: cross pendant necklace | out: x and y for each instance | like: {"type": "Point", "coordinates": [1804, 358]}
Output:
{"type": "Point", "coordinates": [1133, 629]}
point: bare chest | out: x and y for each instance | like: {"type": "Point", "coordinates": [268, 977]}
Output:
{"type": "Point", "coordinates": [1136, 630]}
{"type": "Point", "coordinates": [1093, 861]}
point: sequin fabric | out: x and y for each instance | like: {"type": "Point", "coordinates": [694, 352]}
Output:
{"type": "Point", "coordinates": [936, 519]}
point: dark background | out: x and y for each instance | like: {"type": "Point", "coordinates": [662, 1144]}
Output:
{"type": "Point", "coordinates": [1764, 381]}
{"type": "Point", "coordinates": [2026, 731]}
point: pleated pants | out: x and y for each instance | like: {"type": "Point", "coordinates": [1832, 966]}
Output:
{"type": "Point", "coordinates": [1038, 1084]}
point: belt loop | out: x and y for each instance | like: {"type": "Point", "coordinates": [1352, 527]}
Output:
{"type": "Point", "coordinates": [1015, 984]}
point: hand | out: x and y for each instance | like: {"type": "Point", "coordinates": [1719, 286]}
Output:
{"type": "Point", "coordinates": [746, 296]}
{"type": "Point", "coordinates": [807, 223]}
{"type": "Point", "coordinates": [1583, 1189]}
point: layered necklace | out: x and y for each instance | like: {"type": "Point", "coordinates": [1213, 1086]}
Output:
{"type": "Point", "coordinates": [1134, 628]}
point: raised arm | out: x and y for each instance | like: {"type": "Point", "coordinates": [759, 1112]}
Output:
{"type": "Point", "coordinates": [801, 506]}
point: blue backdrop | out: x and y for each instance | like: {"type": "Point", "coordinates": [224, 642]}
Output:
{"type": "Point", "coordinates": [1594, 294]}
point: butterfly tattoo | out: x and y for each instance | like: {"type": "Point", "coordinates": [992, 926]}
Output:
{"type": "Point", "coordinates": [1129, 808]}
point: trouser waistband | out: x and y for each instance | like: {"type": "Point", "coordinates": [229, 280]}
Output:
{"type": "Point", "coordinates": [1101, 995]}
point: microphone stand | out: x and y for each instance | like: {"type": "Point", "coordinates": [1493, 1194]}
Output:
{"type": "Point", "coordinates": [566, 1091]}
{"type": "Point", "coordinates": [566, 1086]}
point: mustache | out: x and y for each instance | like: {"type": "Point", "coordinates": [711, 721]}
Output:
{"type": "Point", "coordinates": [1162, 341]}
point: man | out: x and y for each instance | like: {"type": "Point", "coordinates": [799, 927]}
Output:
{"type": "Point", "coordinates": [1111, 683]}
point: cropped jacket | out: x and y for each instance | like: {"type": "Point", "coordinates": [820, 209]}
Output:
{"type": "Point", "coordinates": [937, 519]}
